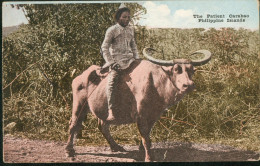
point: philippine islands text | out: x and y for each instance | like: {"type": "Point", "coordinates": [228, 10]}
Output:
{"type": "Point", "coordinates": [213, 18]}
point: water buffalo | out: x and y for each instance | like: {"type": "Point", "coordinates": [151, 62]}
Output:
{"type": "Point", "coordinates": [147, 88]}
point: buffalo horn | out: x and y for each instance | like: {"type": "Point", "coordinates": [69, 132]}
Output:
{"type": "Point", "coordinates": [207, 56]}
{"type": "Point", "coordinates": [206, 59]}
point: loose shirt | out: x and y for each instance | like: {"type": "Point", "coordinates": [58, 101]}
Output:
{"type": "Point", "coordinates": [119, 46]}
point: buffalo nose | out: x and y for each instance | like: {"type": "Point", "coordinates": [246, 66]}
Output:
{"type": "Point", "coordinates": [185, 86]}
{"type": "Point", "coordinates": [189, 84]}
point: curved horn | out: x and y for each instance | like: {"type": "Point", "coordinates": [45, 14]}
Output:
{"type": "Point", "coordinates": [206, 59]}
{"type": "Point", "coordinates": [207, 56]}
{"type": "Point", "coordinates": [147, 51]}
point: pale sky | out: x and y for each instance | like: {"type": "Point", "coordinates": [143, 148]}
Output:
{"type": "Point", "coordinates": [12, 16]}
{"type": "Point", "coordinates": [179, 13]}
{"type": "Point", "coordinates": [171, 14]}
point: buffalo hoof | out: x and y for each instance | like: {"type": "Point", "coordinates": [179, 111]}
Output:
{"type": "Point", "coordinates": [141, 147]}
{"type": "Point", "coordinates": [117, 149]}
{"type": "Point", "coordinates": [147, 159]}
{"type": "Point", "coordinates": [70, 152]}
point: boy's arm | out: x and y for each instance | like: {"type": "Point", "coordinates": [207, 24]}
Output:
{"type": "Point", "coordinates": [105, 46]}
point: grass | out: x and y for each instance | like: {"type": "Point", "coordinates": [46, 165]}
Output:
{"type": "Point", "coordinates": [224, 108]}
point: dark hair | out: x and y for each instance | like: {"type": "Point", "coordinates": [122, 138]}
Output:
{"type": "Point", "coordinates": [119, 12]}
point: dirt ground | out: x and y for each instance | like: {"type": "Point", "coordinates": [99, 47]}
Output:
{"type": "Point", "coordinates": [19, 150]}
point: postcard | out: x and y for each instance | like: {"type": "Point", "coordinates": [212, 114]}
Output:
{"type": "Point", "coordinates": [130, 81]}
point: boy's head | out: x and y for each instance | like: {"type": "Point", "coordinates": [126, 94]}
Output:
{"type": "Point", "coordinates": [122, 16]}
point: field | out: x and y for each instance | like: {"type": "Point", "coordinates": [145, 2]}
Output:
{"type": "Point", "coordinates": [224, 108]}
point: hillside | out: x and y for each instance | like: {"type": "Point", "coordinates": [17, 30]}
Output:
{"type": "Point", "coordinates": [8, 30]}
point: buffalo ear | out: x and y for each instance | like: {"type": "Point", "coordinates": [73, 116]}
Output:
{"type": "Point", "coordinates": [168, 69]}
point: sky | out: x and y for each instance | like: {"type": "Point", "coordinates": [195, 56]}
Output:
{"type": "Point", "coordinates": [179, 13]}
{"type": "Point", "coordinates": [173, 14]}
{"type": "Point", "coordinates": [12, 16]}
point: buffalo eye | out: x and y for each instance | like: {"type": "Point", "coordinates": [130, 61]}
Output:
{"type": "Point", "coordinates": [177, 69]}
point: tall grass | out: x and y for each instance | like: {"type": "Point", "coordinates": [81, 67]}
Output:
{"type": "Point", "coordinates": [224, 108]}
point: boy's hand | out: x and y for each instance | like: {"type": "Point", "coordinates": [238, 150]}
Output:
{"type": "Point", "coordinates": [116, 67]}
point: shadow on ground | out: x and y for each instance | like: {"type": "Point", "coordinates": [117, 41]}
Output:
{"type": "Point", "coordinates": [20, 150]}
{"type": "Point", "coordinates": [184, 152]}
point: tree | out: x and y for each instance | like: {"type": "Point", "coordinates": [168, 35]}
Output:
{"type": "Point", "coordinates": [62, 40]}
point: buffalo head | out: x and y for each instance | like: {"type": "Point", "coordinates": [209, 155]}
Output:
{"type": "Point", "coordinates": [179, 71]}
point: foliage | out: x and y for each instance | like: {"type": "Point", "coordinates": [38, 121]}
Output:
{"type": "Point", "coordinates": [229, 42]}
{"type": "Point", "coordinates": [41, 59]}
{"type": "Point", "coordinates": [63, 40]}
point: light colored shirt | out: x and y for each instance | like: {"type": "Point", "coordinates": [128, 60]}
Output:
{"type": "Point", "coordinates": [119, 46]}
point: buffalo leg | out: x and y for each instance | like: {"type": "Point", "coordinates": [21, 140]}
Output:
{"type": "Point", "coordinates": [141, 146]}
{"type": "Point", "coordinates": [104, 129]}
{"type": "Point", "coordinates": [78, 115]}
{"type": "Point", "coordinates": [144, 128]}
